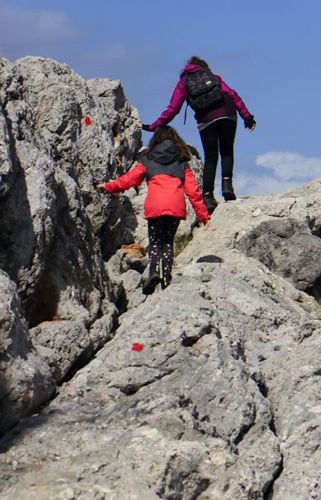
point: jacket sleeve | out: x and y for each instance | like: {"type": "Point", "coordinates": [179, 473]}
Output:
{"type": "Point", "coordinates": [194, 195]}
{"type": "Point", "coordinates": [132, 178]}
{"type": "Point", "coordinates": [174, 107]}
{"type": "Point", "coordinates": [238, 102]}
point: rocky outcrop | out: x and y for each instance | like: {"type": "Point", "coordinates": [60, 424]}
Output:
{"type": "Point", "coordinates": [26, 381]}
{"type": "Point", "coordinates": [59, 136]}
{"type": "Point", "coordinates": [207, 390]}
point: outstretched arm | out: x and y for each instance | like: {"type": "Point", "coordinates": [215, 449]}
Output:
{"type": "Point", "coordinates": [174, 107]}
{"type": "Point", "coordinates": [131, 179]}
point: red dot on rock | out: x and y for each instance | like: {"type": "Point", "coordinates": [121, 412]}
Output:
{"type": "Point", "coordinates": [137, 346]}
{"type": "Point", "coordinates": [87, 121]}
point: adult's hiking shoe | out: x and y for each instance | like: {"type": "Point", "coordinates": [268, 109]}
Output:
{"type": "Point", "coordinates": [210, 202]}
{"type": "Point", "coordinates": [151, 283]}
{"type": "Point", "coordinates": [227, 189]}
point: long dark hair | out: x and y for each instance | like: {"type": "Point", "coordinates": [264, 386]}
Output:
{"type": "Point", "coordinates": [166, 132]}
{"type": "Point", "coordinates": [198, 61]}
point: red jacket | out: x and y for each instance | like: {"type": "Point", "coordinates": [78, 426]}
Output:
{"type": "Point", "coordinates": [165, 195]}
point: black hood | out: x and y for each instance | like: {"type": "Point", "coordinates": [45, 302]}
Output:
{"type": "Point", "coordinates": [164, 160]}
{"type": "Point", "coordinates": [165, 153]}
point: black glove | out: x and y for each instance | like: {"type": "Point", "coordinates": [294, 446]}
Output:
{"type": "Point", "coordinates": [146, 127]}
{"type": "Point", "coordinates": [249, 122]}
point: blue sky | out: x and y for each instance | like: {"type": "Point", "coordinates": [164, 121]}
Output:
{"type": "Point", "coordinates": [269, 52]}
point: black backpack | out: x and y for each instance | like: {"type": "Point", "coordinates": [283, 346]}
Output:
{"type": "Point", "coordinates": [203, 91]}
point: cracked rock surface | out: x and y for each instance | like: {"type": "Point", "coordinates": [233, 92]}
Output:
{"type": "Point", "coordinates": [221, 402]}
{"type": "Point", "coordinates": [208, 390]}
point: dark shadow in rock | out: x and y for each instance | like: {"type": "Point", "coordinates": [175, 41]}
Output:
{"type": "Point", "coordinates": [130, 389]}
{"type": "Point", "coordinates": [17, 237]}
{"type": "Point", "coordinates": [121, 223]}
{"type": "Point", "coordinates": [3, 397]}
{"type": "Point", "coordinates": [43, 304]}
{"type": "Point", "coordinates": [81, 361]}
{"type": "Point", "coordinates": [26, 425]}
{"type": "Point", "coordinates": [190, 340]}
{"type": "Point", "coordinates": [268, 490]}
{"type": "Point", "coordinates": [315, 290]}
{"type": "Point", "coordinates": [260, 382]}
{"type": "Point", "coordinates": [317, 232]}
{"type": "Point", "coordinates": [69, 262]}
{"type": "Point", "coordinates": [288, 248]}
{"type": "Point", "coordinates": [209, 258]}
{"type": "Point", "coordinates": [122, 302]}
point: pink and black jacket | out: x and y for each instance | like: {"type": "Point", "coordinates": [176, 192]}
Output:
{"type": "Point", "coordinates": [233, 102]}
{"type": "Point", "coordinates": [168, 181]}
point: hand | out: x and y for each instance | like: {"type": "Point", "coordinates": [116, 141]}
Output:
{"type": "Point", "coordinates": [205, 225]}
{"type": "Point", "coordinates": [146, 127]}
{"type": "Point", "coordinates": [100, 186]}
{"type": "Point", "coordinates": [250, 123]}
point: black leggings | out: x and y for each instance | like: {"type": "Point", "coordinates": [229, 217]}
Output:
{"type": "Point", "coordinates": [218, 137]}
{"type": "Point", "coordinates": [161, 233]}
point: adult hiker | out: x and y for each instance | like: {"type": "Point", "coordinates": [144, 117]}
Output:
{"type": "Point", "coordinates": [164, 165]}
{"type": "Point", "coordinates": [216, 106]}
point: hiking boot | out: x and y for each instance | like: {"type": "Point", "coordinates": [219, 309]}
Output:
{"type": "Point", "coordinates": [227, 189]}
{"type": "Point", "coordinates": [151, 283]}
{"type": "Point", "coordinates": [166, 281]}
{"type": "Point", "coordinates": [210, 202]}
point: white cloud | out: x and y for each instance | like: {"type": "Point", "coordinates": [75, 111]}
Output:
{"type": "Point", "coordinates": [288, 166]}
{"type": "Point", "coordinates": [278, 172]}
{"type": "Point", "coordinates": [251, 185]}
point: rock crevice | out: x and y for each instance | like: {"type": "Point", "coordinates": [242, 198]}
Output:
{"type": "Point", "coordinates": [222, 398]}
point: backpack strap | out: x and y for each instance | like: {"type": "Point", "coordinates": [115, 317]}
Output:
{"type": "Point", "coordinates": [185, 113]}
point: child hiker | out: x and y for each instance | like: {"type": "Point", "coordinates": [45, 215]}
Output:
{"type": "Point", "coordinates": [164, 165]}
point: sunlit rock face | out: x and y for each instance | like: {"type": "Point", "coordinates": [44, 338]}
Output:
{"type": "Point", "coordinates": [59, 136]}
{"type": "Point", "coordinates": [209, 389]}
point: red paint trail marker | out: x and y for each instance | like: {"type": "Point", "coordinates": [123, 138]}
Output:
{"type": "Point", "coordinates": [137, 346]}
{"type": "Point", "coordinates": [87, 121]}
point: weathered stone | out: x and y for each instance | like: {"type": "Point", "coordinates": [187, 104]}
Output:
{"type": "Point", "coordinates": [209, 389]}
{"type": "Point", "coordinates": [57, 139]}
{"type": "Point", "coordinates": [288, 248]}
{"type": "Point", "coordinates": [69, 341]}
{"type": "Point", "coordinates": [53, 159]}
{"type": "Point", "coordinates": [26, 381]}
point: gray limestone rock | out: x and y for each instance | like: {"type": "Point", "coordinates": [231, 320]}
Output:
{"type": "Point", "coordinates": [54, 156]}
{"type": "Point", "coordinates": [207, 390]}
{"type": "Point", "coordinates": [59, 136]}
{"type": "Point", "coordinates": [287, 247]}
{"type": "Point", "coordinates": [68, 341]}
{"type": "Point", "coordinates": [26, 380]}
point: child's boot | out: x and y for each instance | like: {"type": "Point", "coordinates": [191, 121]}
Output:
{"type": "Point", "coordinates": [151, 283]}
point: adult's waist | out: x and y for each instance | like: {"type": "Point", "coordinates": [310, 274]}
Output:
{"type": "Point", "coordinates": [228, 109]}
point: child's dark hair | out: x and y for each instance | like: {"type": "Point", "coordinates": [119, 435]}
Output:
{"type": "Point", "coordinates": [166, 132]}
{"type": "Point", "coordinates": [198, 61]}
